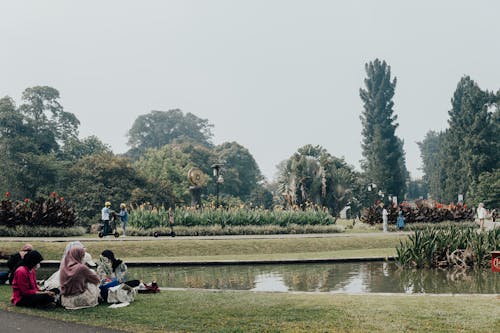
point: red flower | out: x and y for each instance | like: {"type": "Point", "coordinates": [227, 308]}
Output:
{"type": "Point", "coordinates": [26, 200]}
{"type": "Point", "coordinates": [61, 199]}
{"type": "Point", "coordinates": [53, 195]}
{"type": "Point", "coordinates": [7, 195]}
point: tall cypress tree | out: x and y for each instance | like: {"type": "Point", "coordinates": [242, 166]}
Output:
{"type": "Point", "coordinates": [383, 156]}
{"type": "Point", "coordinates": [472, 138]}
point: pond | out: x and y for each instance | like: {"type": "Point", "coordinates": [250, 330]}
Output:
{"type": "Point", "coordinates": [358, 277]}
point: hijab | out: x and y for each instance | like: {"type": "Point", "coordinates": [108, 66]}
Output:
{"type": "Point", "coordinates": [31, 259]}
{"type": "Point", "coordinates": [111, 256]}
{"type": "Point", "coordinates": [73, 274]}
{"type": "Point", "coordinates": [68, 248]}
{"type": "Point", "coordinates": [25, 249]}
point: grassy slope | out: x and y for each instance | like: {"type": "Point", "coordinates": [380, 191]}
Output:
{"type": "Point", "coordinates": [208, 311]}
{"type": "Point", "coordinates": [240, 249]}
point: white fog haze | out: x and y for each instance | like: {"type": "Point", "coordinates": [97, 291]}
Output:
{"type": "Point", "coordinates": [271, 75]}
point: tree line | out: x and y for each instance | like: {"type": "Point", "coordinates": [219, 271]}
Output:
{"type": "Point", "coordinates": [41, 152]}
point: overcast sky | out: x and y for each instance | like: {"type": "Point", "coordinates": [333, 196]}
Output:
{"type": "Point", "coordinates": [271, 75]}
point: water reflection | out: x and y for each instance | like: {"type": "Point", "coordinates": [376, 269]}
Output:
{"type": "Point", "coordinates": [377, 277]}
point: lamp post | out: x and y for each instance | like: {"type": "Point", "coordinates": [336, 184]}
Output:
{"type": "Point", "coordinates": [217, 169]}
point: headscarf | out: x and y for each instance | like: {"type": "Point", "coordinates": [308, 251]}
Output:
{"type": "Point", "coordinates": [111, 256]}
{"type": "Point", "coordinates": [25, 249]}
{"type": "Point", "coordinates": [68, 248]}
{"type": "Point", "coordinates": [74, 274]}
{"type": "Point", "coordinates": [31, 259]}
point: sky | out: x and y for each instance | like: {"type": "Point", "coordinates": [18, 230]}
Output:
{"type": "Point", "coordinates": [271, 75]}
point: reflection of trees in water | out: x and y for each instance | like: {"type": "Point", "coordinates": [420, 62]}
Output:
{"type": "Point", "coordinates": [210, 277]}
{"type": "Point", "coordinates": [368, 277]}
{"type": "Point", "coordinates": [450, 281]}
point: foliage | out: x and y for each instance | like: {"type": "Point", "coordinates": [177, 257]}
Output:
{"type": "Point", "coordinates": [35, 231]}
{"type": "Point", "coordinates": [451, 247]}
{"type": "Point", "coordinates": [421, 213]}
{"type": "Point", "coordinates": [44, 114]}
{"type": "Point", "coordinates": [74, 149]}
{"type": "Point", "coordinates": [486, 189]}
{"type": "Point", "coordinates": [454, 160]}
{"type": "Point", "coordinates": [218, 230]}
{"type": "Point", "coordinates": [51, 212]}
{"type": "Point", "coordinates": [168, 168]}
{"type": "Point", "coordinates": [384, 159]}
{"type": "Point", "coordinates": [158, 128]}
{"type": "Point", "coordinates": [241, 172]}
{"type": "Point", "coordinates": [146, 216]}
{"type": "Point", "coordinates": [105, 177]}
{"type": "Point", "coordinates": [312, 175]}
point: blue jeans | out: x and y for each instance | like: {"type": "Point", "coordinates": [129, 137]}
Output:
{"type": "Point", "coordinates": [104, 288]}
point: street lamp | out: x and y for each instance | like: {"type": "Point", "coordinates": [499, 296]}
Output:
{"type": "Point", "coordinates": [217, 169]}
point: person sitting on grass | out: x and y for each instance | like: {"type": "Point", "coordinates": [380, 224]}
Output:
{"type": "Point", "coordinates": [25, 291]}
{"type": "Point", "coordinates": [111, 272]}
{"type": "Point", "coordinates": [79, 284]}
{"type": "Point", "coordinates": [16, 259]}
{"type": "Point", "coordinates": [108, 267]}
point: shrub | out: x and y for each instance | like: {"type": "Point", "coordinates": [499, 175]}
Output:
{"type": "Point", "coordinates": [218, 230]}
{"type": "Point", "coordinates": [51, 212]}
{"type": "Point", "coordinates": [147, 216]}
{"type": "Point", "coordinates": [455, 246]}
{"type": "Point", "coordinates": [28, 231]}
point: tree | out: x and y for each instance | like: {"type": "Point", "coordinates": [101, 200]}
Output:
{"type": "Point", "coordinates": [312, 175]}
{"type": "Point", "coordinates": [384, 161]}
{"type": "Point", "coordinates": [241, 173]}
{"type": "Point", "coordinates": [158, 128]}
{"type": "Point", "coordinates": [74, 149]}
{"type": "Point", "coordinates": [168, 168]}
{"type": "Point", "coordinates": [52, 126]}
{"type": "Point", "coordinates": [454, 159]}
{"type": "Point", "coordinates": [105, 177]}
{"type": "Point", "coordinates": [431, 149]}
{"type": "Point", "coordinates": [486, 189]}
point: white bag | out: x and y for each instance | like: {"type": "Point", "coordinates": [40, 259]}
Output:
{"type": "Point", "coordinates": [121, 293]}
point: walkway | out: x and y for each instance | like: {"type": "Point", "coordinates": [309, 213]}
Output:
{"type": "Point", "coordinates": [223, 237]}
{"type": "Point", "coordinates": [18, 322]}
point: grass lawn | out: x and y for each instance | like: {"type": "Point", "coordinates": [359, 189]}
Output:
{"type": "Point", "coordinates": [178, 249]}
{"type": "Point", "coordinates": [229, 311]}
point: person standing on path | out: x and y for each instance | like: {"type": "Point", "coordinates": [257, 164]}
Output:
{"type": "Point", "coordinates": [384, 218]}
{"type": "Point", "coordinates": [124, 217]}
{"type": "Point", "coordinates": [401, 221]}
{"type": "Point", "coordinates": [105, 217]}
{"type": "Point", "coordinates": [481, 215]}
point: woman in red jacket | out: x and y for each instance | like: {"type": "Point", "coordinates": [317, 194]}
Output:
{"type": "Point", "coordinates": [25, 291]}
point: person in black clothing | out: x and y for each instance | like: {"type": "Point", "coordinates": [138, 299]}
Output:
{"type": "Point", "coordinates": [16, 259]}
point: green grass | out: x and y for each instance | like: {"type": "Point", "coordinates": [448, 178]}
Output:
{"type": "Point", "coordinates": [235, 249]}
{"type": "Point", "coordinates": [229, 311]}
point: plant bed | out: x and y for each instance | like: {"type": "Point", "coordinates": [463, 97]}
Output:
{"type": "Point", "coordinates": [452, 247]}
{"type": "Point", "coordinates": [28, 231]}
{"type": "Point", "coordinates": [218, 230]}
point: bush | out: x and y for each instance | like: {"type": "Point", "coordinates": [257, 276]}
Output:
{"type": "Point", "coordinates": [457, 247]}
{"type": "Point", "coordinates": [51, 212]}
{"type": "Point", "coordinates": [147, 216]}
{"type": "Point", "coordinates": [218, 230]}
{"type": "Point", "coordinates": [28, 231]}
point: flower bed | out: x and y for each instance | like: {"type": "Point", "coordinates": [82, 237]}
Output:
{"type": "Point", "coordinates": [51, 212]}
{"type": "Point", "coordinates": [147, 216]}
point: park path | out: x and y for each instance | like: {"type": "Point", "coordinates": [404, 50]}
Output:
{"type": "Point", "coordinates": [223, 237]}
{"type": "Point", "coordinates": [19, 322]}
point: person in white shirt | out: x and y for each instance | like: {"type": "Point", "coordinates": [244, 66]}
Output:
{"type": "Point", "coordinates": [105, 217]}
{"type": "Point", "coordinates": [481, 215]}
{"type": "Point", "coordinates": [385, 218]}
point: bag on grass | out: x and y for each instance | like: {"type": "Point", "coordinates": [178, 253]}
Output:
{"type": "Point", "coordinates": [121, 293]}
